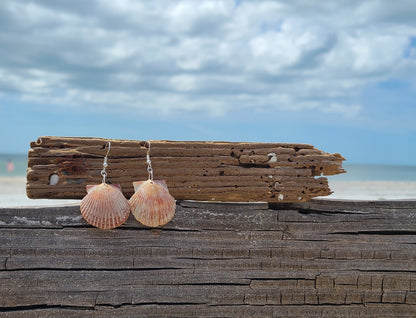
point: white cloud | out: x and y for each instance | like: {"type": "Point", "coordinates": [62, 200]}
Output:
{"type": "Point", "coordinates": [278, 49]}
{"type": "Point", "coordinates": [183, 83]}
{"type": "Point", "coordinates": [213, 57]}
{"type": "Point", "coordinates": [403, 11]}
{"type": "Point", "coordinates": [346, 110]}
{"type": "Point", "coordinates": [198, 16]}
{"type": "Point", "coordinates": [367, 52]}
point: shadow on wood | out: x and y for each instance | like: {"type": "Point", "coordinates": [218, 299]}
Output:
{"type": "Point", "coordinates": [320, 258]}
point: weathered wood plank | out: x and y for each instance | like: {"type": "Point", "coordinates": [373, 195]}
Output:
{"type": "Point", "coordinates": [314, 258]}
{"type": "Point", "coordinates": [29, 288]}
{"type": "Point", "coordinates": [207, 171]}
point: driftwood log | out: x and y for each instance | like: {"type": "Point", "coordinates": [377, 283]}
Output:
{"type": "Point", "coordinates": [320, 258]}
{"type": "Point", "coordinates": [205, 171]}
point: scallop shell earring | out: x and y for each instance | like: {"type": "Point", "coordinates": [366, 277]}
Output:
{"type": "Point", "coordinates": [152, 204]}
{"type": "Point", "coordinates": [105, 206]}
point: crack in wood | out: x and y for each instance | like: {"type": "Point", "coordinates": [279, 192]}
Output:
{"type": "Point", "coordinates": [375, 232]}
{"type": "Point", "coordinates": [44, 306]}
{"type": "Point", "coordinates": [320, 212]}
{"type": "Point", "coordinates": [89, 269]}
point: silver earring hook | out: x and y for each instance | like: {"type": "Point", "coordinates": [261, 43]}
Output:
{"type": "Point", "coordinates": [105, 164]}
{"type": "Point", "coordinates": [149, 162]}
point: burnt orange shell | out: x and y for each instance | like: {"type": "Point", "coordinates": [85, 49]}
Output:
{"type": "Point", "coordinates": [152, 204]}
{"type": "Point", "coordinates": [105, 206]}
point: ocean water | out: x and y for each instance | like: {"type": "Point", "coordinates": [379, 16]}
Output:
{"type": "Point", "coordinates": [365, 172]}
{"type": "Point", "coordinates": [355, 172]}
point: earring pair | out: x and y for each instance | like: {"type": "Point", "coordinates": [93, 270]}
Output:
{"type": "Point", "coordinates": [105, 206]}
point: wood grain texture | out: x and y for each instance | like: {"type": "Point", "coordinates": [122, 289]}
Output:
{"type": "Point", "coordinates": [205, 171]}
{"type": "Point", "coordinates": [321, 258]}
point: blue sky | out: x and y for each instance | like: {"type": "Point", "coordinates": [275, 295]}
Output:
{"type": "Point", "coordinates": [339, 75]}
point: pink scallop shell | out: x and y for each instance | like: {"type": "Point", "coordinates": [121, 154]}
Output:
{"type": "Point", "coordinates": [105, 206]}
{"type": "Point", "coordinates": [151, 204]}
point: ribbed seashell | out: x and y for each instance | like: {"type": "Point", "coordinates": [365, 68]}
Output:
{"type": "Point", "coordinates": [105, 206]}
{"type": "Point", "coordinates": [152, 204]}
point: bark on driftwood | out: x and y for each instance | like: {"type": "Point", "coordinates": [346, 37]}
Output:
{"type": "Point", "coordinates": [320, 258]}
{"type": "Point", "coordinates": [211, 171]}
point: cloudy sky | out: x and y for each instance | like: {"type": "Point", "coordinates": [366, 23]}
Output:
{"type": "Point", "coordinates": [336, 74]}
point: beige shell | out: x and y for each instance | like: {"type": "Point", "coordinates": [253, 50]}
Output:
{"type": "Point", "coordinates": [105, 206]}
{"type": "Point", "coordinates": [151, 204]}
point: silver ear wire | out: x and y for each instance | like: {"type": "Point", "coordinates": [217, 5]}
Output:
{"type": "Point", "coordinates": [105, 164]}
{"type": "Point", "coordinates": [149, 162]}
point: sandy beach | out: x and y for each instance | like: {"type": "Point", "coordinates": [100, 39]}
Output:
{"type": "Point", "coordinates": [13, 192]}
{"type": "Point", "coordinates": [372, 190]}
